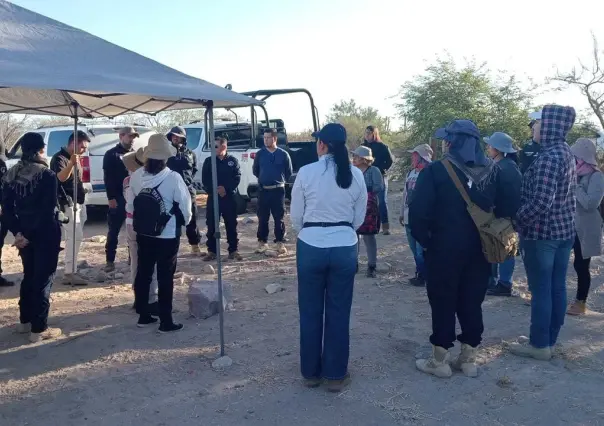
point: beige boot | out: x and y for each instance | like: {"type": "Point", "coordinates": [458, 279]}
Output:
{"type": "Point", "coordinates": [577, 308]}
{"type": "Point", "coordinates": [386, 228]}
{"type": "Point", "coordinates": [437, 365]}
{"type": "Point", "coordinates": [281, 249]}
{"type": "Point", "coordinates": [49, 333]}
{"type": "Point", "coordinates": [466, 361]}
{"type": "Point", "coordinates": [262, 247]}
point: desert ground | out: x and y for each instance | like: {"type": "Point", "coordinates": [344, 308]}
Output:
{"type": "Point", "coordinates": [106, 371]}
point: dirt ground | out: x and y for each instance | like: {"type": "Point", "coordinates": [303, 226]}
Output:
{"type": "Point", "coordinates": [105, 371]}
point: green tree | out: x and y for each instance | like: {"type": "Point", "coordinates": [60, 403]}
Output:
{"type": "Point", "coordinates": [444, 92]}
{"type": "Point", "coordinates": [356, 118]}
{"type": "Point", "coordinates": [583, 128]}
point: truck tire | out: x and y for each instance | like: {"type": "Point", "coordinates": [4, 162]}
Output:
{"type": "Point", "coordinates": [241, 203]}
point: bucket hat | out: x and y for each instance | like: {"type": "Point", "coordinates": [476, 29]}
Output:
{"type": "Point", "coordinates": [585, 149]}
{"type": "Point", "coordinates": [502, 142]}
{"type": "Point", "coordinates": [158, 148]}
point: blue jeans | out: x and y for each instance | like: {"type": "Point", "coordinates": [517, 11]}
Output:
{"type": "Point", "coordinates": [502, 273]}
{"type": "Point", "coordinates": [418, 253]}
{"type": "Point", "coordinates": [325, 286]}
{"type": "Point", "coordinates": [383, 202]}
{"type": "Point", "coordinates": [546, 263]}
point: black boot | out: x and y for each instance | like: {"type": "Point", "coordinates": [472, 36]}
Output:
{"type": "Point", "coordinates": [371, 272]}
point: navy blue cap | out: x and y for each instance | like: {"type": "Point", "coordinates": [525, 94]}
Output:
{"type": "Point", "coordinates": [456, 127]}
{"type": "Point", "coordinates": [331, 132]}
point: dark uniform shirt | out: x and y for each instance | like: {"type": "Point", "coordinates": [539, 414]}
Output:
{"type": "Point", "coordinates": [272, 168]}
{"type": "Point", "coordinates": [115, 172]}
{"type": "Point", "coordinates": [185, 164]}
{"type": "Point", "coordinates": [228, 173]}
{"type": "Point", "coordinates": [528, 155]}
{"type": "Point", "coordinates": [59, 162]}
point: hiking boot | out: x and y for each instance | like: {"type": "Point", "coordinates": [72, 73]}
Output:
{"type": "Point", "coordinates": [529, 351]}
{"type": "Point", "coordinates": [23, 328]}
{"type": "Point", "coordinates": [262, 247]}
{"type": "Point", "coordinates": [371, 272]}
{"type": "Point", "coordinates": [313, 382]}
{"type": "Point", "coordinates": [109, 267]}
{"type": "Point", "coordinates": [75, 280]}
{"type": "Point", "coordinates": [209, 257]}
{"type": "Point", "coordinates": [281, 249]}
{"type": "Point", "coordinates": [6, 283]}
{"type": "Point", "coordinates": [417, 281]}
{"type": "Point", "coordinates": [169, 328]}
{"type": "Point", "coordinates": [578, 308]}
{"type": "Point", "coordinates": [437, 365]}
{"type": "Point", "coordinates": [235, 256]}
{"type": "Point", "coordinates": [144, 321]}
{"type": "Point", "coordinates": [385, 228]}
{"type": "Point", "coordinates": [337, 386]}
{"type": "Point", "coordinates": [466, 361]}
{"type": "Point", "coordinates": [499, 290]}
{"type": "Point", "coordinates": [49, 333]}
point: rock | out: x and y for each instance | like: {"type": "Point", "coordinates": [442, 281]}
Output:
{"type": "Point", "coordinates": [523, 340]}
{"type": "Point", "coordinates": [98, 239]}
{"type": "Point", "coordinates": [273, 288]}
{"type": "Point", "coordinates": [384, 267]}
{"type": "Point", "coordinates": [285, 270]}
{"type": "Point", "coordinates": [222, 362]}
{"type": "Point", "coordinates": [271, 253]}
{"type": "Point", "coordinates": [203, 298]}
{"type": "Point", "coordinates": [118, 276]}
{"type": "Point", "coordinates": [100, 277]}
{"type": "Point", "coordinates": [209, 269]}
{"type": "Point", "coordinates": [84, 265]}
{"type": "Point", "coordinates": [248, 220]}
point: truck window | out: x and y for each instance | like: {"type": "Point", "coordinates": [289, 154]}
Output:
{"type": "Point", "coordinates": [56, 140]}
{"type": "Point", "coordinates": [193, 136]}
{"type": "Point", "coordinates": [239, 138]}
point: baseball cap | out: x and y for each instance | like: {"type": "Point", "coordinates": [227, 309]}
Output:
{"type": "Point", "coordinates": [424, 150]}
{"type": "Point", "coordinates": [82, 136]}
{"type": "Point", "coordinates": [128, 130]}
{"type": "Point", "coordinates": [331, 132]}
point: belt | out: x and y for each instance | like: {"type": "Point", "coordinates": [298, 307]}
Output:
{"type": "Point", "coordinates": [281, 185]}
{"type": "Point", "coordinates": [325, 224]}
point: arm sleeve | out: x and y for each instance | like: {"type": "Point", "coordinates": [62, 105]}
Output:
{"type": "Point", "coordinates": [129, 197]}
{"type": "Point", "coordinates": [591, 199]}
{"type": "Point", "coordinates": [423, 207]}
{"type": "Point", "coordinates": [9, 218]}
{"type": "Point", "coordinates": [288, 166]}
{"type": "Point", "coordinates": [507, 201]}
{"type": "Point", "coordinates": [194, 171]}
{"type": "Point", "coordinates": [298, 203]}
{"type": "Point", "coordinates": [360, 205]}
{"type": "Point", "coordinates": [377, 180]}
{"type": "Point", "coordinates": [107, 166]}
{"type": "Point", "coordinates": [182, 197]}
{"type": "Point", "coordinates": [388, 158]}
{"type": "Point", "coordinates": [235, 179]}
{"type": "Point", "coordinates": [256, 165]}
{"type": "Point", "coordinates": [541, 197]}
{"type": "Point", "coordinates": [206, 176]}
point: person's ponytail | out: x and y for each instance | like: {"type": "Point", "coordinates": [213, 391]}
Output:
{"type": "Point", "coordinates": [342, 162]}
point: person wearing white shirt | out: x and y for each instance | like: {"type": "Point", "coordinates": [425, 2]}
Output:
{"type": "Point", "coordinates": [158, 234]}
{"type": "Point", "coordinates": [329, 201]}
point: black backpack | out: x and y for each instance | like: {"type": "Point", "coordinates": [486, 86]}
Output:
{"type": "Point", "coordinates": [150, 213]}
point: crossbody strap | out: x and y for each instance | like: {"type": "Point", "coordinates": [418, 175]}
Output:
{"type": "Point", "coordinates": [457, 182]}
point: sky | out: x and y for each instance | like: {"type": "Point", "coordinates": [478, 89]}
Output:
{"type": "Point", "coordinates": [340, 49]}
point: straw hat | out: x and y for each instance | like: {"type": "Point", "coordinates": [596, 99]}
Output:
{"type": "Point", "coordinates": [159, 148]}
{"type": "Point", "coordinates": [363, 152]}
{"type": "Point", "coordinates": [134, 160]}
{"type": "Point", "coordinates": [585, 149]}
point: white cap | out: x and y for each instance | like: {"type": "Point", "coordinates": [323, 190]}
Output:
{"type": "Point", "coordinates": [535, 115]}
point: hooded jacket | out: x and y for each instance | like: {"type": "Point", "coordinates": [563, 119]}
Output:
{"type": "Point", "coordinates": [172, 190]}
{"type": "Point", "coordinates": [547, 210]}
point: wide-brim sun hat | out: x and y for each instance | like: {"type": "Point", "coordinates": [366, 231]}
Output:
{"type": "Point", "coordinates": [424, 151]}
{"type": "Point", "coordinates": [585, 149]}
{"type": "Point", "coordinates": [134, 160]}
{"type": "Point", "coordinates": [363, 152]}
{"type": "Point", "coordinates": [159, 148]}
{"type": "Point", "coordinates": [502, 142]}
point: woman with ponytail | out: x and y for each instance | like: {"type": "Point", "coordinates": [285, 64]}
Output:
{"type": "Point", "coordinates": [328, 205]}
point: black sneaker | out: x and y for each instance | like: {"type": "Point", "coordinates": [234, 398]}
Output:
{"type": "Point", "coordinates": [499, 290]}
{"type": "Point", "coordinates": [169, 328]}
{"type": "Point", "coordinates": [6, 283]}
{"type": "Point", "coordinates": [146, 321]}
{"type": "Point", "coordinates": [418, 281]}
{"type": "Point", "coordinates": [371, 272]}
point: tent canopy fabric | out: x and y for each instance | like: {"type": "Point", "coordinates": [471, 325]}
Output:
{"type": "Point", "coordinates": [47, 66]}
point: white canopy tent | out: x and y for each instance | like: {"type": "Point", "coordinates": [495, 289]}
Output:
{"type": "Point", "coordinates": [47, 67]}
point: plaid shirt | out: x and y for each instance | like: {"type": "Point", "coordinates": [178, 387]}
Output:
{"type": "Point", "coordinates": [547, 209]}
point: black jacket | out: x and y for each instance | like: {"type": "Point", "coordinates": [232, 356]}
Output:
{"type": "Point", "coordinates": [528, 155]}
{"type": "Point", "coordinates": [382, 155]}
{"type": "Point", "coordinates": [228, 173]}
{"type": "Point", "coordinates": [185, 164]}
{"type": "Point", "coordinates": [114, 172]}
{"type": "Point", "coordinates": [2, 173]}
{"type": "Point", "coordinates": [508, 189]}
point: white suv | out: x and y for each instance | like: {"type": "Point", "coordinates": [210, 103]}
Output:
{"type": "Point", "coordinates": [103, 137]}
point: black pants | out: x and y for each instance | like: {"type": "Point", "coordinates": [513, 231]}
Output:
{"type": "Point", "coordinates": [162, 252]}
{"type": "Point", "coordinates": [193, 234]}
{"type": "Point", "coordinates": [40, 259]}
{"type": "Point", "coordinates": [115, 220]}
{"type": "Point", "coordinates": [583, 275]}
{"type": "Point", "coordinates": [228, 210]}
{"type": "Point", "coordinates": [456, 287]}
{"type": "Point", "coordinates": [271, 202]}
{"type": "Point", "coordinates": [3, 233]}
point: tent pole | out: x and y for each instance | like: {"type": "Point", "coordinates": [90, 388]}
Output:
{"type": "Point", "coordinates": [209, 127]}
{"type": "Point", "coordinates": [75, 189]}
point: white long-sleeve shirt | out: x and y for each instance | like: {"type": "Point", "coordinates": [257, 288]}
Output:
{"type": "Point", "coordinates": [316, 197]}
{"type": "Point", "coordinates": [172, 189]}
